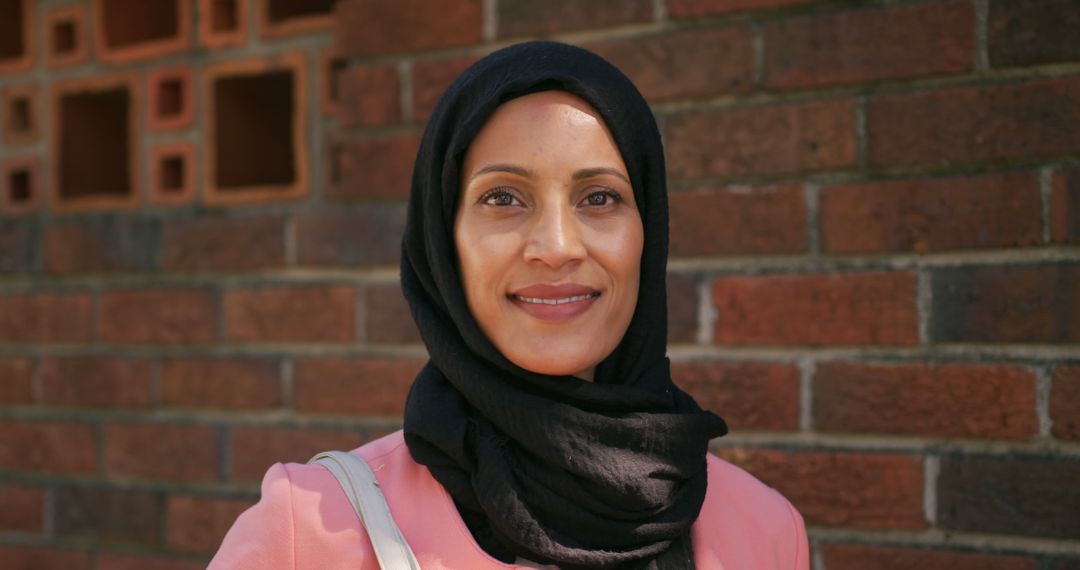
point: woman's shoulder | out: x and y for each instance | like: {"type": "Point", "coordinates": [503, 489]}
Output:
{"type": "Point", "coordinates": [744, 520]}
{"type": "Point", "coordinates": [302, 519]}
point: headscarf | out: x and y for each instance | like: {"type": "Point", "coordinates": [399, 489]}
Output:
{"type": "Point", "coordinates": [553, 469]}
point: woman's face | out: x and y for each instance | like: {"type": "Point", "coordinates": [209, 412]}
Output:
{"type": "Point", "coordinates": [548, 235]}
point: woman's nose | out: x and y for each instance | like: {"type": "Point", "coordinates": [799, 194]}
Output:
{"type": "Point", "coordinates": [555, 237]}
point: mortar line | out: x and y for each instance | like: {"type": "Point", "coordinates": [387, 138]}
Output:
{"type": "Point", "coordinates": [807, 368]}
{"type": "Point", "coordinates": [931, 471]}
{"type": "Point", "coordinates": [660, 12]}
{"type": "Point", "coordinates": [862, 137]}
{"type": "Point", "coordinates": [1046, 189]}
{"type": "Point", "coordinates": [924, 303]}
{"type": "Point", "coordinates": [405, 94]}
{"type": "Point", "coordinates": [286, 370]}
{"type": "Point", "coordinates": [1044, 381]}
{"type": "Point", "coordinates": [491, 20]}
{"type": "Point", "coordinates": [982, 18]}
{"type": "Point", "coordinates": [757, 31]}
{"type": "Point", "coordinates": [290, 240]}
{"type": "Point", "coordinates": [812, 201]}
{"type": "Point", "coordinates": [707, 314]}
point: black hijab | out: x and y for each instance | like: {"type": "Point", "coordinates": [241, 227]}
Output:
{"type": "Point", "coordinates": [553, 469]}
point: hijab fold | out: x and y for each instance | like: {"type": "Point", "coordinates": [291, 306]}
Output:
{"type": "Point", "coordinates": [552, 469]}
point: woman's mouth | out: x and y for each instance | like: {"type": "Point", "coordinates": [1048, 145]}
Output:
{"type": "Point", "coordinates": [554, 302]}
{"type": "Point", "coordinates": [563, 301]}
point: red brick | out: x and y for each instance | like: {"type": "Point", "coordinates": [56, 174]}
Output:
{"type": "Point", "coordinates": [106, 246]}
{"type": "Point", "coordinates": [748, 395]}
{"type": "Point", "coordinates": [166, 316]}
{"type": "Point", "coordinates": [1065, 206]}
{"type": "Point", "coordinates": [223, 244]}
{"type": "Point", "coordinates": [820, 309]}
{"type": "Point", "coordinates": [1030, 496]}
{"type": "Point", "coordinates": [1032, 32]}
{"type": "Point", "coordinates": [375, 168]}
{"type": "Point", "coordinates": [861, 490]}
{"type": "Point", "coordinates": [221, 383]}
{"type": "Point", "coordinates": [45, 317]}
{"type": "Point", "coordinates": [197, 524]}
{"type": "Point", "coordinates": [946, 400]}
{"type": "Point", "coordinates": [15, 557]}
{"type": "Point", "coordinates": [106, 561]}
{"type": "Point", "coordinates": [682, 308]}
{"type": "Point", "coordinates": [48, 447]}
{"type": "Point", "coordinates": [859, 557]}
{"type": "Point", "coordinates": [24, 508]}
{"type": "Point", "coordinates": [431, 78]}
{"type": "Point", "coordinates": [737, 220]}
{"type": "Point", "coordinates": [170, 98]}
{"type": "Point", "coordinates": [16, 381]}
{"type": "Point", "coordinates": [965, 125]}
{"type": "Point", "coordinates": [353, 385]}
{"type": "Point", "coordinates": [95, 382]}
{"type": "Point", "coordinates": [175, 452]}
{"type": "Point", "coordinates": [112, 515]}
{"type": "Point", "coordinates": [300, 313]}
{"type": "Point", "coordinates": [172, 173]}
{"type": "Point", "coordinates": [995, 210]}
{"type": "Point", "coordinates": [365, 234]}
{"type": "Point", "coordinates": [670, 66]}
{"type": "Point", "coordinates": [1065, 402]}
{"type": "Point", "coordinates": [527, 18]}
{"type": "Point", "coordinates": [747, 141]}
{"type": "Point", "coordinates": [690, 8]}
{"type": "Point", "coordinates": [255, 449]}
{"type": "Point", "coordinates": [872, 44]}
{"type": "Point", "coordinates": [374, 27]}
{"type": "Point", "coordinates": [16, 243]}
{"type": "Point", "coordinates": [387, 316]}
{"type": "Point", "coordinates": [1027, 303]}
{"type": "Point", "coordinates": [370, 96]}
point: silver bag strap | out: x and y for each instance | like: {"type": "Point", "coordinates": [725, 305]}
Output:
{"type": "Point", "coordinates": [362, 489]}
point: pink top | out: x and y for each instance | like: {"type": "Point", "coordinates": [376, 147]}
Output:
{"type": "Point", "coordinates": [303, 520]}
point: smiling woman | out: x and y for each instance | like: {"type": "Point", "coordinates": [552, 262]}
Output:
{"type": "Point", "coordinates": [546, 428]}
{"type": "Point", "coordinates": [548, 235]}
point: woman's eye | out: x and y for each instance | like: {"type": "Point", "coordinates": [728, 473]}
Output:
{"type": "Point", "coordinates": [498, 197]}
{"type": "Point", "coordinates": [601, 198]}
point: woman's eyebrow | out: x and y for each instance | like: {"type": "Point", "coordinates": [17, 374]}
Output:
{"type": "Point", "coordinates": [590, 172]}
{"type": "Point", "coordinates": [511, 168]}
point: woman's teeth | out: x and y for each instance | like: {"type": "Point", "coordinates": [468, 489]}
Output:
{"type": "Point", "coordinates": [563, 301]}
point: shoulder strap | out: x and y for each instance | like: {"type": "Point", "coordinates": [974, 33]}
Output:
{"type": "Point", "coordinates": [362, 489]}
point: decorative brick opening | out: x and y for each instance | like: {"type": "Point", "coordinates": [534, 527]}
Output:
{"type": "Point", "coordinates": [224, 16]}
{"type": "Point", "coordinates": [170, 98]}
{"type": "Point", "coordinates": [286, 17]}
{"type": "Point", "coordinates": [20, 184]}
{"type": "Point", "coordinates": [20, 115]}
{"type": "Point", "coordinates": [15, 38]}
{"type": "Point", "coordinates": [256, 146]}
{"type": "Point", "coordinates": [331, 64]}
{"type": "Point", "coordinates": [63, 37]}
{"type": "Point", "coordinates": [172, 173]}
{"type": "Point", "coordinates": [65, 32]}
{"type": "Point", "coordinates": [138, 29]}
{"type": "Point", "coordinates": [222, 22]}
{"type": "Point", "coordinates": [94, 147]}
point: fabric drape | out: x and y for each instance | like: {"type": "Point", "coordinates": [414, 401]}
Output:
{"type": "Point", "coordinates": [609, 473]}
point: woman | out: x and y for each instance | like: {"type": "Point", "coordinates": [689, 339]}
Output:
{"type": "Point", "coordinates": [546, 429]}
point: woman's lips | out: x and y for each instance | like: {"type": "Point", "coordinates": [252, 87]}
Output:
{"type": "Point", "coordinates": [554, 302]}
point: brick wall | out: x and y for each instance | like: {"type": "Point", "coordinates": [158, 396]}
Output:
{"type": "Point", "coordinates": [875, 270]}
